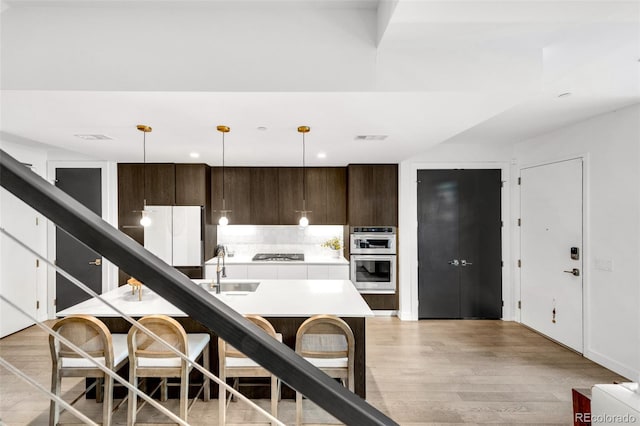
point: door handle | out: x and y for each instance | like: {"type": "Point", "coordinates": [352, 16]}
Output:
{"type": "Point", "coordinates": [454, 262]}
{"type": "Point", "coordinates": [463, 262]}
{"type": "Point", "coordinates": [575, 272]}
{"type": "Point", "coordinates": [96, 262]}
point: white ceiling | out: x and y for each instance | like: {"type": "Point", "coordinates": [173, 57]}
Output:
{"type": "Point", "coordinates": [421, 72]}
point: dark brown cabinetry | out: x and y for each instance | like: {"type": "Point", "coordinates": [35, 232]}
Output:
{"type": "Point", "coordinates": [264, 209]}
{"type": "Point", "coordinates": [130, 196]}
{"type": "Point", "coordinates": [373, 194]}
{"type": "Point", "coordinates": [273, 195]}
{"type": "Point", "coordinates": [327, 195]}
{"type": "Point", "coordinates": [237, 194]}
{"type": "Point", "coordinates": [290, 196]}
{"type": "Point", "coordinates": [160, 184]}
{"type": "Point", "coordinates": [192, 185]}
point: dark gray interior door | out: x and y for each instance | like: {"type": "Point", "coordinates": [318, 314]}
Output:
{"type": "Point", "coordinates": [459, 244]}
{"type": "Point", "coordinates": [438, 222]}
{"type": "Point", "coordinates": [71, 255]}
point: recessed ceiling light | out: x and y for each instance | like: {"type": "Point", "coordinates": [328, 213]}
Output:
{"type": "Point", "coordinates": [370, 137]}
{"type": "Point", "coordinates": [564, 95]}
{"type": "Point", "coordinates": [322, 155]}
{"type": "Point", "coordinates": [194, 155]}
{"type": "Point", "coordinates": [93, 137]}
{"type": "Point", "coordinates": [262, 128]}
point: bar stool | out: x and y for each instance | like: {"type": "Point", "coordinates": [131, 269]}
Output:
{"type": "Point", "coordinates": [234, 363]}
{"type": "Point", "coordinates": [327, 342]}
{"type": "Point", "coordinates": [92, 336]}
{"type": "Point", "coordinates": [149, 358]}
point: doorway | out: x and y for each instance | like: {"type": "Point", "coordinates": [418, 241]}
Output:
{"type": "Point", "coordinates": [551, 274]}
{"type": "Point", "coordinates": [459, 244]}
{"type": "Point", "coordinates": [84, 185]}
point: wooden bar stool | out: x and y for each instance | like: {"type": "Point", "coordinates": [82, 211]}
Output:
{"type": "Point", "coordinates": [327, 342]}
{"type": "Point", "coordinates": [234, 363]}
{"type": "Point", "coordinates": [149, 358]}
{"type": "Point", "coordinates": [92, 336]}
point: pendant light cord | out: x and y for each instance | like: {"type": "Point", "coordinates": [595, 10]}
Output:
{"type": "Point", "coordinates": [223, 203]}
{"type": "Point", "coordinates": [144, 169]}
{"type": "Point", "coordinates": [304, 184]}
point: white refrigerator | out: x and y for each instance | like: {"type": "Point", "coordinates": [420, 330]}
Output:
{"type": "Point", "coordinates": [175, 234]}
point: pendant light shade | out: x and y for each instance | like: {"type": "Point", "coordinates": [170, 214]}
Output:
{"type": "Point", "coordinates": [145, 220]}
{"type": "Point", "coordinates": [304, 221]}
{"type": "Point", "coordinates": [223, 221]}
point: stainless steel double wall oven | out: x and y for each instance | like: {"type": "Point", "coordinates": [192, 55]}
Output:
{"type": "Point", "coordinates": [373, 259]}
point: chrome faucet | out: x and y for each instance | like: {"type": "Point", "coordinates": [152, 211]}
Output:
{"type": "Point", "coordinates": [220, 270]}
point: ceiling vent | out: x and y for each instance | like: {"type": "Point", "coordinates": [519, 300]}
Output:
{"type": "Point", "coordinates": [370, 137]}
{"type": "Point", "coordinates": [94, 137]}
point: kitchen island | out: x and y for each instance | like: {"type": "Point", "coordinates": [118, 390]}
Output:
{"type": "Point", "coordinates": [285, 303]}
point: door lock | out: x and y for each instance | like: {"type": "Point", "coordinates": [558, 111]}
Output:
{"type": "Point", "coordinates": [463, 262]}
{"type": "Point", "coordinates": [96, 262]}
{"type": "Point", "coordinates": [454, 262]}
{"type": "Point", "coordinates": [575, 272]}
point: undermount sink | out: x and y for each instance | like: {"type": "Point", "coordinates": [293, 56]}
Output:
{"type": "Point", "coordinates": [231, 286]}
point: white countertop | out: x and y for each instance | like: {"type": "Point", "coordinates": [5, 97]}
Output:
{"type": "Point", "coordinates": [273, 298]}
{"type": "Point", "coordinates": [309, 260]}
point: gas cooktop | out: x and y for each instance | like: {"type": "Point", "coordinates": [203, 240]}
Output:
{"type": "Point", "coordinates": [277, 257]}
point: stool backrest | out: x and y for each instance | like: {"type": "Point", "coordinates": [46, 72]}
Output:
{"type": "Point", "coordinates": [85, 331]}
{"type": "Point", "coordinates": [325, 336]}
{"type": "Point", "coordinates": [231, 352]}
{"type": "Point", "coordinates": [142, 345]}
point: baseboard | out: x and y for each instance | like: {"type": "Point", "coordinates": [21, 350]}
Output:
{"type": "Point", "coordinates": [382, 313]}
{"type": "Point", "coordinates": [616, 367]}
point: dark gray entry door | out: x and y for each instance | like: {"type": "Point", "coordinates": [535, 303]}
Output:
{"type": "Point", "coordinates": [71, 255]}
{"type": "Point", "coordinates": [459, 244]}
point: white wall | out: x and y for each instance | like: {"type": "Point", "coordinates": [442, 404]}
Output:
{"type": "Point", "coordinates": [20, 280]}
{"type": "Point", "coordinates": [447, 156]}
{"type": "Point", "coordinates": [611, 143]}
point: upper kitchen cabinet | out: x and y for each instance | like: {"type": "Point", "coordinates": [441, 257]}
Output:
{"type": "Point", "coordinates": [237, 194]}
{"type": "Point", "coordinates": [290, 195]}
{"type": "Point", "coordinates": [130, 190]}
{"type": "Point", "coordinates": [264, 196]}
{"type": "Point", "coordinates": [192, 185]}
{"type": "Point", "coordinates": [326, 193]}
{"type": "Point", "coordinates": [373, 194]}
{"type": "Point", "coordinates": [160, 184]}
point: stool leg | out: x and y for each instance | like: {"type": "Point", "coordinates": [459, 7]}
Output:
{"type": "Point", "coordinates": [184, 391]}
{"type": "Point", "coordinates": [54, 409]}
{"type": "Point", "coordinates": [207, 382]}
{"type": "Point", "coordinates": [222, 398]}
{"type": "Point", "coordinates": [99, 391]}
{"type": "Point", "coordinates": [274, 397]}
{"type": "Point", "coordinates": [107, 405]}
{"type": "Point", "coordinates": [133, 398]}
{"type": "Point", "coordinates": [298, 408]}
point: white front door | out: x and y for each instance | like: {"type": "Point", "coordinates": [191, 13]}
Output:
{"type": "Point", "coordinates": [551, 251]}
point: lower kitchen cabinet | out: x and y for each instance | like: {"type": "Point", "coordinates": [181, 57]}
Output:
{"type": "Point", "coordinates": [283, 272]}
{"type": "Point", "coordinates": [328, 272]}
{"type": "Point", "coordinates": [262, 272]}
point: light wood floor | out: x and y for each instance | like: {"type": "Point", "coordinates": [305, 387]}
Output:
{"type": "Point", "coordinates": [418, 373]}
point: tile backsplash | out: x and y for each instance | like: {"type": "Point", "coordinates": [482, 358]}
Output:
{"type": "Point", "coordinates": [247, 240]}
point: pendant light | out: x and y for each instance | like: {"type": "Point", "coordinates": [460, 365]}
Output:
{"type": "Point", "coordinates": [304, 221]}
{"type": "Point", "coordinates": [145, 220]}
{"type": "Point", "coordinates": [223, 216]}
